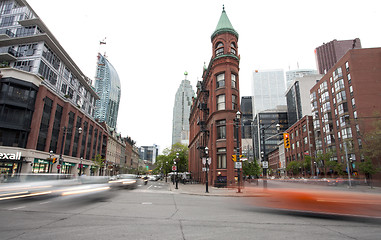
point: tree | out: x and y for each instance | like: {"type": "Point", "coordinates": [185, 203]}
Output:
{"type": "Point", "coordinates": [368, 170]}
{"type": "Point", "coordinates": [293, 166]}
{"type": "Point", "coordinates": [99, 162]}
{"type": "Point", "coordinates": [169, 155]}
{"type": "Point", "coordinates": [371, 142]}
{"type": "Point", "coordinates": [251, 168]}
{"type": "Point", "coordinates": [322, 160]}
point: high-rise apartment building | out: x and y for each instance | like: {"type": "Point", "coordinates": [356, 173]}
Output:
{"type": "Point", "coordinates": [212, 124]}
{"type": "Point", "coordinates": [181, 111]}
{"type": "Point", "coordinates": [107, 86]}
{"type": "Point", "coordinates": [268, 89]}
{"type": "Point", "coordinates": [344, 103]}
{"type": "Point", "coordinates": [329, 53]}
{"type": "Point", "coordinates": [47, 103]}
{"type": "Point", "coordinates": [292, 74]}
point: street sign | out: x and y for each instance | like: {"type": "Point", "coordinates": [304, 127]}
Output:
{"type": "Point", "coordinates": [204, 161]}
{"type": "Point", "coordinates": [265, 164]}
{"type": "Point", "coordinates": [174, 168]}
{"type": "Point", "coordinates": [209, 161]}
{"type": "Point", "coordinates": [238, 165]}
{"type": "Point", "coordinates": [243, 159]}
{"type": "Point", "coordinates": [58, 166]}
{"type": "Point", "coordinates": [234, 158]}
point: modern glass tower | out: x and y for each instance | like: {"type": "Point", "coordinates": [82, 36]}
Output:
{"type": "Point", "coordinates": [181, 111]}
{"type": "Point", "coordinates": [269, 88]}
{"type": "Point", "coordinates": [107, 86]}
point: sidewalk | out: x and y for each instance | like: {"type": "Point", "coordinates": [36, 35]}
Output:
{"type": "Point", "coordinates": [253, 190]}
{"type": "Point", "coordinates": [200, 189]}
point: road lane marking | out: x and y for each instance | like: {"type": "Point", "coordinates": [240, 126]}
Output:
{"type": "Point", "coordinates": [16, 208]}
{"type": "Point", "coordinates": [146, 203]}
{"type": "Point", "coordinates": [149, 186]}
{"type": "Point", "coordinates": [45, 202]}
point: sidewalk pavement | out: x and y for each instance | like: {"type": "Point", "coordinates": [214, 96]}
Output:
{"type": "Point", "coordinates": [254, 190]}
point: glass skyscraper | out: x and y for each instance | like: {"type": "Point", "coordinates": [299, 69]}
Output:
{"type": "Point", "coordinates": [107, 86]}
{"type": "Point", "coordinates": [181, 112]}
{"type": "Point", "coordinates": [268, 90]}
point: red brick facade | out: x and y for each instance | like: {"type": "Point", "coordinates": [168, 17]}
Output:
{"type": "Point", "coordinates": [213, 113]}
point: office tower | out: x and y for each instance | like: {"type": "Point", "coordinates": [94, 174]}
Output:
{"type": "Point", "coordinates": [265, 131]}
{"type": "Point", "coordinates": [181, 111]}
{"type": "Point", "coordinates": [292, 74]}
{"type": "Point", "coordinates": [329, 53]}
{"type": "Point", "coordinates": [107, 86]}
{"type": "Point", "coordinates": [268, 89]}
{"type": "Point", "coordinates": [298, 99]}
{"type": "Point", "coordinates": [149, 153]}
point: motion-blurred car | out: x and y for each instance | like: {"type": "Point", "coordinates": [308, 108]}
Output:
{"type": "Point", "coordinates": [320, 201]}
{"type": "Point", "coordinates": [33, 185]}
{"type": "Point", "coordinates": [128, 181]}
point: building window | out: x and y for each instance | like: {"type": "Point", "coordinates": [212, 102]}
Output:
{"type": "Point", "coordinates": [304, 128]}
{"type": "Point", "coordinates": [233, 48]}
{"type": "Point", "coordinates": [221, 102]}
{"type": "Point", "coordinates": [234, 102]}
{"type": "Point", "coordinates": [351, 90]}
{"type": "Point", "coordinates": [349, 78]}
{"type": "Point", "coordinates": [221, 157]}
{"type": "Point", "coordinates": [220, 80]}
{"type": "Point", "coordinates": [219, 48]}
{"type": "Point", "coordinates": [63, 88]}
{"type": "Point", "coordinates": [221, 129]}
{"type": "Point", "coordinates": [234, 81]}
{"type": "Point", "coordinates": [353, 103]}
{"type": "Point", "coordinates": [355, 114]}
{"type": "Point", "coordinates": [347, 66]}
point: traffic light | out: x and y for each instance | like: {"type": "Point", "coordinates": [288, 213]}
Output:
{"type": "Point", "coordinates": [234, 158]}
{"type": "Point", "coordinates": [54, 160]}
{"type": "Point", "coordinates": [286, 138]}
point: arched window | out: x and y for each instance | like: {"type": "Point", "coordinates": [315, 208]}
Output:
{"type": "Point", "coordinates": [219, 48]}
{"type": "Point", "coordinates": [233, 48]}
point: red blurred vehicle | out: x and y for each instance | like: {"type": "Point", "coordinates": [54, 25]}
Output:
{"type": "Point", "coordinates": [321, 201]}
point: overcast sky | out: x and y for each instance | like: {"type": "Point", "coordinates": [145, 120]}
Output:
{"type": "Point", "coordinates": [152, 43]}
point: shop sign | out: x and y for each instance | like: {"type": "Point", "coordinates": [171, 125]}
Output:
{"type": "Point", "coordinates": [11, 156]}
{"type": "Point", "coordinates": [37, 160]}
{"type": "Point", "coordinates": [69, 164]}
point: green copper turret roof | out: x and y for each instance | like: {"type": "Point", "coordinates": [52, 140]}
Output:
{"type": "Point", "coordinates": [224, 25]}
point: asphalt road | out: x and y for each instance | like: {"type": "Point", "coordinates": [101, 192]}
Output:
{"type": "Point", "coordinates": [154, 212]}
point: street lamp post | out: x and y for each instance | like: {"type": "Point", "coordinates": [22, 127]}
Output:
{"type": "Point", "coordinates": [166, 173]}
{"type": "Point", "coordinates": [206, 169]}
{"type": "Point", "coordinates": [177, 170]}
{"type": "Point", "coordinates": [60, 161]}
{"type": "Point", "coordinates": [238, 118]}
{"type": "Point", "coordinates": [80, 166]}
